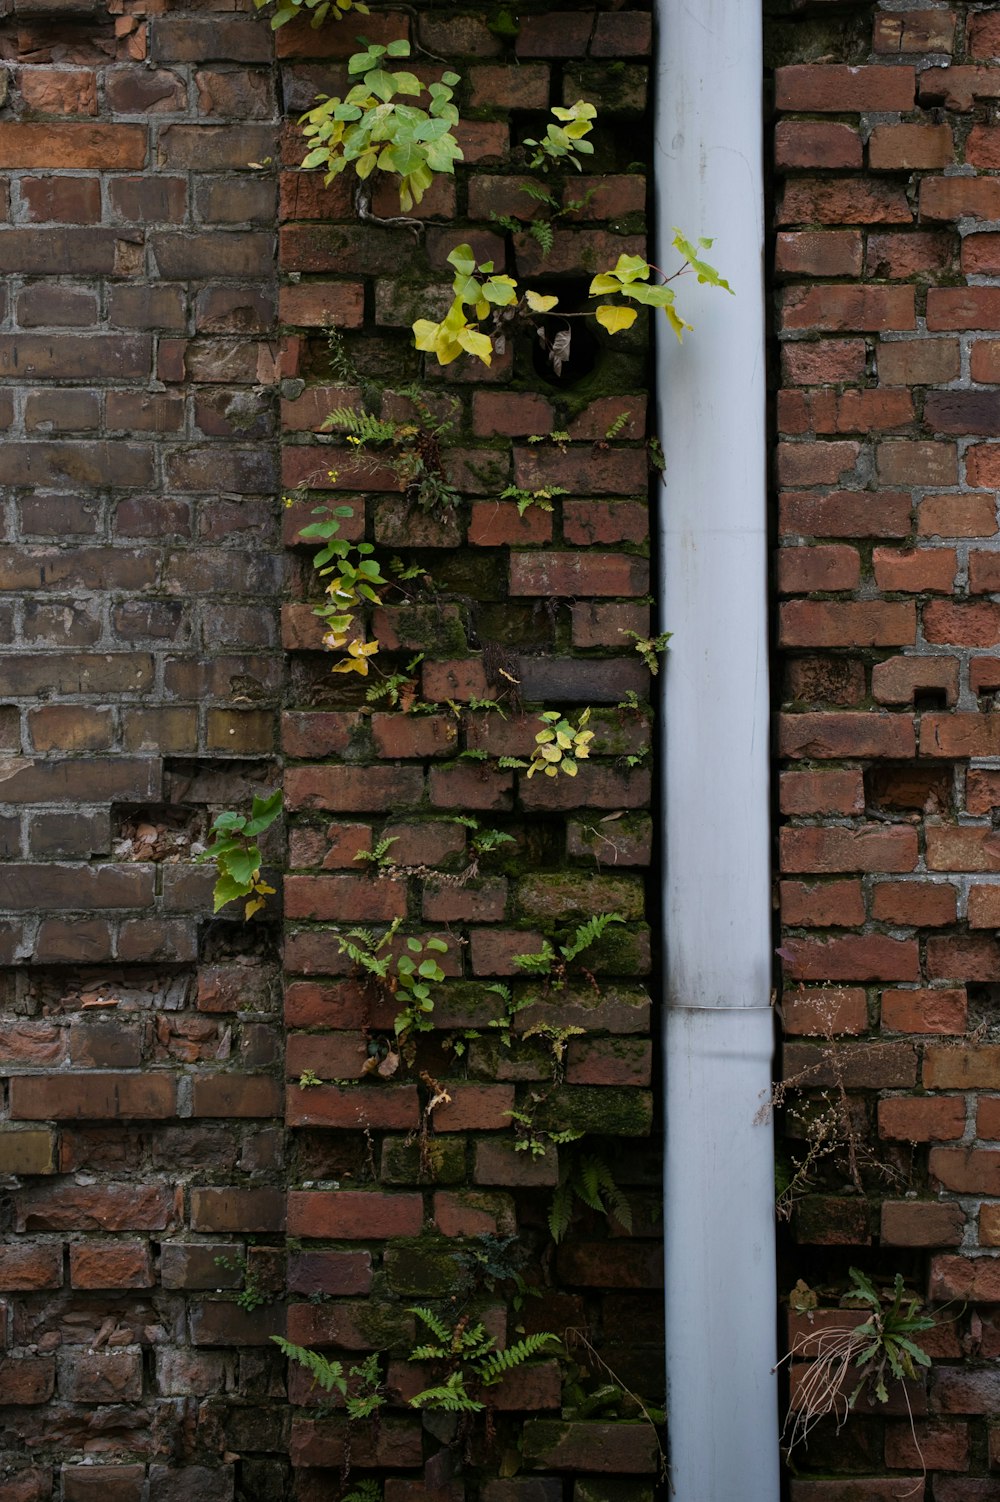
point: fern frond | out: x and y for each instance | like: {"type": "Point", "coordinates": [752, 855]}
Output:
{"type": "Point", "coordinates": [540, 195]}
{"type": "Point", "coordinates": [537, 964]}
{"type": "Point", "coordinates": [560, 1212]}
{"type": "Point", "coordinates": [361, 425]}
{"type": "Point", "coordinates": [364, 1491]}
{"type": "Point", "coordinates": [450, 1396]}
{"type": "Point", "coordinates": [588, 933]}
{"type": "Point", "coordinates": [436, 1326]}
{"type": "Point", "coordinates": [327, 1374]}
{"type": "Point", "coordinates": [543, 235]}
{"type": "Point", "coordinates": [500, 1363]}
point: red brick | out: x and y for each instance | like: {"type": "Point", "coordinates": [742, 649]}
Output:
{"type": "Point", "coordinates": [976, 1280]}
{"type": "Point", "coordinates": [982, 788]}
{"type": "Point", "coordinates": [915, 31]}
{"type": "Point", "coordinates": [236, 1095]}
{"type": "Point", "coordinates": [915, 570]}
{"type": "Point", "coordinates": [832, 1009]}
{"type": "Point", "coordinates": [963, 307]}
{"type": "Point", "coordinates": [918, 1223]}
{"type": "Point", "coordinates": [989, 1225]}
{"type": "Point", "coordinates": [903, 463]}
{"type": "Point", "coordinates": [811, 363]}
{"type": "Point", "coordinates": [816, 143]}
{"type": "Point", "coordinates": [110, 1264]}
{"type": "Point", "coordinates": [57, 145]}
{"type": "Point", "coordinates": [984, 907]}
{"type": "Point", "coordinates": [962, 1068]}
{"type": "Point", "coordinates": [895, 147]}
{"type": "Point", "coordinates": [822, 793]}
{"type": "Point", "coordinates": [109, 1097]}
{"type": "Point", "coordinates": [846, 514]}
{"type": "Point", "coordinates": [353, 789]}
{"type": "Point", "coordinates": [816, 463]}
{"type": "Point", "coordinates": [848, 309]}
{"type": "Point", "coordinates": [951, 198]}
{"type": "Point", "coordinates": [966, 1170]}
{"type": "Point", "coordinates": [819, 568]}
{"type": "Point", "coordinates": [957, 516]}
{"type": "Point", "coordinates": [899, 679]}
{"type": "Point", "coordinates": [988, 1117]}
{"type": "Point", "coordinates": [391, 1108]}
{"type": "Point", "coordinates": [964, 625]}
{"type": "Point", "coordinates": [31, 1266]}
{"type": "Point", "coordinates": [349, 1215]}
{"type": "Point", "coordinates": [834, 904]}
{"type": "Point", "coordinates": [873, 847]}
{"type": "Point", "coordinates": [842, 200]}
{"type": "Point", "coordinates": [97, 1207]}
{"type": "Point", "coordinates": [839, 89]}
{"type": "Point", "coordinates": [822, 736]}
{"type": "Point", "coordinates": [853, 957]}
{"type": "Point", "coordinates": [824, 253]}
{"type": "Point", "coordinates": [925, 1011]}
{"type": "Point", "coordinates": [959, 735]}
{"type": "Point", "coordinates": [571, 574]}
{"type": "Point", "coordinates": [921, 1119]}
{"type": "Point", "coordinates": [866, 623]}
{"type": "Point", "coordinates": [962, 958]}
{"type": "Point", "coordinates": [918, 362]}
{"type": "Point", "coordinates": [476, 1108]}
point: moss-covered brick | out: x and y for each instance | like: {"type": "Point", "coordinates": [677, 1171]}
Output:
{"type": "Point", "coordinates": [439, 1160]}
{"type": "Point", "coordinates": [611, 1112]}
{"type": "Point", "coordinates": [424, 1267]}
{"type": "Point", "coordinates": [572, 895]}
{"type": "Point", "coordinates": [552, 1444]}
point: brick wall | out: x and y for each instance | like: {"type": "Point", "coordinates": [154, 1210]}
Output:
{"type": "Point", "coordinates": [887, 465]}
{"type": "Point", "coordinates": [150, 337]}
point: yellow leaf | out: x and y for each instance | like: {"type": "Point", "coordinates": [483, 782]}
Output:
{"type": "Point", "coordinates": [539, 304]}
{"type": "Point", "coordinates": [477, 344]}
{"type": "Point", "coordinates": [253, 906]}
{"type": "Point", "coordinates": [615, 319]}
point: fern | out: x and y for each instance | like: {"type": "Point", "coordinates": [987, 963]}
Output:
{"type": "Point", "coordinates": [499, 1363]}
{"type": "Point", "coordinates": [588, 933]}
{"type": "Point", "coordinates": [435, 1326]}
{"type": "Point", "coordinates": [451, 1396]}
{"type": "Point", "coordinates": [537, 964]}
{"type": "Point", "coordinates": [364, 1491]}
{"type": "Point", "coordinates": [543, 234]}
{"type": "Point", "coordinates": [360, 425]}
{"type": "Point", "coordinates": [588, 1179]}
{"type": "Point", "coordinates": [560, 1212]}
{"type": "Point", "coordinates": [540, 195]}
{"type": "Point", "coordinates": [327, 1374]}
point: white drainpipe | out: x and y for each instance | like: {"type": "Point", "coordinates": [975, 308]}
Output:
{"type": "Point", "coordinates": [718, 1041]}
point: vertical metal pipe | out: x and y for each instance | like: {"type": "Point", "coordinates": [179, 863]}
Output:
{"type": "Point", "coordinates": [719, 1176]}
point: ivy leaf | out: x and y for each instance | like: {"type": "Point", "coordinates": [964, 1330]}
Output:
{"type": "Point", "coordinates": [614, 319]}
{"type": "Point", "coordinates": [539, 304]}
{"type": "Point", "coordinates": [463, 260]}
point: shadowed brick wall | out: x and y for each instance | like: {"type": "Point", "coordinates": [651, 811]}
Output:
{"type": "Point", "coordinates": [139, 679]}
{"type": "Point", "coordinates": [145, 1164]}
{"type": "Point", "coordinates": [888, 569]}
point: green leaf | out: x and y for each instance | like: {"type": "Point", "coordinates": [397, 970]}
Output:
{"type": "Point", "coordinates": [227, 890]}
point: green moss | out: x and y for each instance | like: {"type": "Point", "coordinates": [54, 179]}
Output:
{"type": "Point", "coordinates": [385, 1326]}
{"type": "Point", "coordinates": [594, 1109]}
{"type": "Point", "coordinates": [424, 1267]}
{"type": "Point", "coordinates": [570, 895]}
{"type": "Point", "coordinates": [443, 1161]}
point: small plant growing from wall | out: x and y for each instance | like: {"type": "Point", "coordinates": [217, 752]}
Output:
{"type": "Point", "coordinates": [237, 855]}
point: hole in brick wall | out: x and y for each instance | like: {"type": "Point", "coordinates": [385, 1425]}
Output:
{"type": "Point", "coordinates": [926, 789]}
{"type": "Point", "coordinates": [101, 991]}
{"type": "Point", "coordinates": [156, 832]}
{"type": "Point", "coordinates": [220, 784]}
{"type": "Point", "coordinates": [984, 1010]}
{"type": "Point", "coordinates": [232, 939]}
{"type": "Point", "coordinates": [930, 698]}
{"type": "Point", "coordinates": [332, 1155]}
{"type": "Point", "coordinates": [565, 350]}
